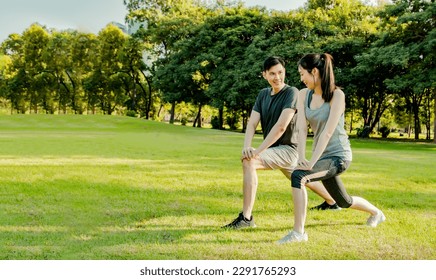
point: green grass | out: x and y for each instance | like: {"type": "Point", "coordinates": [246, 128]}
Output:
{"type": "Point", "coordinates": [106, 187]}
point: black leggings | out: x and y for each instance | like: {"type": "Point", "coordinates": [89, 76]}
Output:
{"type": "Point", "coordinates": [327, 171]}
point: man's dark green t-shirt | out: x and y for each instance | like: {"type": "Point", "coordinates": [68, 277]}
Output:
{"type": "Point", "coordinates": [271, 106]}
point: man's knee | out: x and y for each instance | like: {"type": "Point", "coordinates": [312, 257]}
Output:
{"type": "Point", "coordinates": [252, 164]}
{"type": "Point", "coordinates": [248, 165]}
{"type": "Point", "coordinates": [247, 162]}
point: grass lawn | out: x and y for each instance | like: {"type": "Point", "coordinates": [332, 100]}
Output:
{"type": "Point", "coordinates": [106, 187]}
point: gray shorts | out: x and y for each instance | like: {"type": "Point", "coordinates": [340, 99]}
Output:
{"type": "Point", "coordinates": [281, 157]}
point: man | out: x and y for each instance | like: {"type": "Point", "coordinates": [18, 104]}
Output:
{"type": "Point", "coordinates": [275, 108]}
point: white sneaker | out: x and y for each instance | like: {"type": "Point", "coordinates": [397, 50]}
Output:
{"type": "Point", "coordinates": [293, 236]}
{"type": "Point", "coordinates": [373, 221]}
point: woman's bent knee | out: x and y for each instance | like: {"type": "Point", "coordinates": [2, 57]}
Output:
{"type": "Point", "coordinates": [298, 179]}
{"type": "Point", "coordinates": [344, 202]}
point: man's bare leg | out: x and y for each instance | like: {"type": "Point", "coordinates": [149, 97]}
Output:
{"type": "Point", "coordinates": [250, 183]}
{"type": "Point", "coordinates": [319, 189]}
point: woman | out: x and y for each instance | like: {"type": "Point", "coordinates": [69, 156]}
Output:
{"type": "Point", "coordinates": [322, 103]}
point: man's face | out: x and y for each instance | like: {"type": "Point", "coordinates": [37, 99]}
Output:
{"type": "Point", "coordinates": [275, 77]}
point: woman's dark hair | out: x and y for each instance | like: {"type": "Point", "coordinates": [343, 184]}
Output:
{"type": "Point", "coordinates": [324, 64]}
{"type": "Point", "coordinates": [272, 61]}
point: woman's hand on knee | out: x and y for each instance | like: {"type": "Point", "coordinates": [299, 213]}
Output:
{"type": "Point", "coordinates": [304, 164]}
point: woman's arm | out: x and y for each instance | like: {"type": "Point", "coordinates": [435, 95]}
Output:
{"type": "Point", "coordinates": [337, 108]}
{"type": "Point", "coordinates": [301, 126]}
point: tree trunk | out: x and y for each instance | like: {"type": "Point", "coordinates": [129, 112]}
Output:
{"type": "Point", "coordinates": [221, 118]}
{"type": "Point", "coordinates": [434, 121]}
{"type": "Point", "coordinates": [417, 123]}
{"type": "Point", "coordinates": [244, 123]}
{"type": "Point", "coordinates": [134, 96]}
{"type": "Point", "coordinates": [197, 120]}
{"type": "Point", "coordinates": [245, 114]}
{"type": "Point", "coordinates": [72, 93]}
{"type": "Point", "coordinates": [160, 109]}
{"type": "Point", "coordinates": [416, 103]}
{"type": "Point", "coordinates": [149, 101]}
{"type": "Point", "coordinates": [173, 112]}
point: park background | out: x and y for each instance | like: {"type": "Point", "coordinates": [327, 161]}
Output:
{"type": "Point", "coordinates": [95, 165]}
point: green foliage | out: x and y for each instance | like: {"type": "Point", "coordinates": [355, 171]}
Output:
{"type": "Point", "coordinates": [363, 132]}
{"type": "Point", "coordinates": [131, 113]}
{"type": "Point", "coordinates": [232, 120]}
{"type": "Point", "coordinates": [384, 130]}
{"type": "Point", "coordinates": [215, 122]}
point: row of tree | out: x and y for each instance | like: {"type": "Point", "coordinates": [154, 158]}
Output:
{"type": "Point", "coordinates": [210, 53]}
{"type": "Point", "coordinates": [72, 71]}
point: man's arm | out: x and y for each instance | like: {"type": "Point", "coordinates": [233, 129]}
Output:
{"type": "Point", "coordinates": [277, 130]}
{"type": "Point", "coordinates": [247, 151]}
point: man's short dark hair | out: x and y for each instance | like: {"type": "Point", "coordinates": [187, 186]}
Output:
{"type": "Point", "coordinates": [272, 61]}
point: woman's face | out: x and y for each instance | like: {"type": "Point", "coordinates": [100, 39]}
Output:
{"type": "Point", "coordinates": [307, 78]}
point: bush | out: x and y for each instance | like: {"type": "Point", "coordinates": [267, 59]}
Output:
{"type": "Point", "coordinates": [215, 122]}
{"type": "Point", "coordinates": [363, 132]}
{"type": "Point", "coordinates": [232, 121]}
{"type": "Point", "coordinates": [131, 113]}
{"type": "Point", "coordinates": [384, 130]}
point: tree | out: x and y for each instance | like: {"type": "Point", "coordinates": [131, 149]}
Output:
{"type": "Point", "coordinates": [57, 59]}
{"type": "Point", "coordinates": [25, 84]}
{"type": "Point", "coordinates": [105, 85]}
{"type": "Point", "coordinates": [132, 74]}
{"type": "Point", "coordinates": [408, 47]}
{"type": "Point", "coordinates": [5, 63]}
{"type": "Point", "coordinates": [165, 23]}
{"type": "Point", "coordinates": [12, 47]}
{"type": "Point", "coordinates": [84, 54]}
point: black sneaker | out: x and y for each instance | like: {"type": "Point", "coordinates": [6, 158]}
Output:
{"type": "Point", "coordinates": [326, 206]}
{"type": "Point", "coordinates": [241, 222]}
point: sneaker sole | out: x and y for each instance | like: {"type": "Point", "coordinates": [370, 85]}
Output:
{"type": "Point", "coordinates": [336, 209]}
{"type": "Point", "coordinates": [239, 228]}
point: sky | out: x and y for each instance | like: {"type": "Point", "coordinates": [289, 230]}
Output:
{"type": "Point", "coordinates": [84, 15]}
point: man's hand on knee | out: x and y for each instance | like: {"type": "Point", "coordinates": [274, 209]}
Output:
{"type": "Point", "coordinates": [248, 153]}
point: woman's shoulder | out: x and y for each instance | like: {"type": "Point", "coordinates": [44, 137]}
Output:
{"type": "Point", "coordinates": [338, 94]}
{"type": "Point", "coordinates": [338, 99]}
{"type": "Point", "coordinates": [339, 91]}
{"type": "Point", "coordinates": [303, 92]}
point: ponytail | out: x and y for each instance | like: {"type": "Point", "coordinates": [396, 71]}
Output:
{"type": "Point", "coordinates": [328, 77]}
{"type": "Point", "coordinates": [324, 64]}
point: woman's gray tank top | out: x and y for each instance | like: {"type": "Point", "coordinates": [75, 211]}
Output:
{"type": "Point", "coordinates": [339, 145]}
